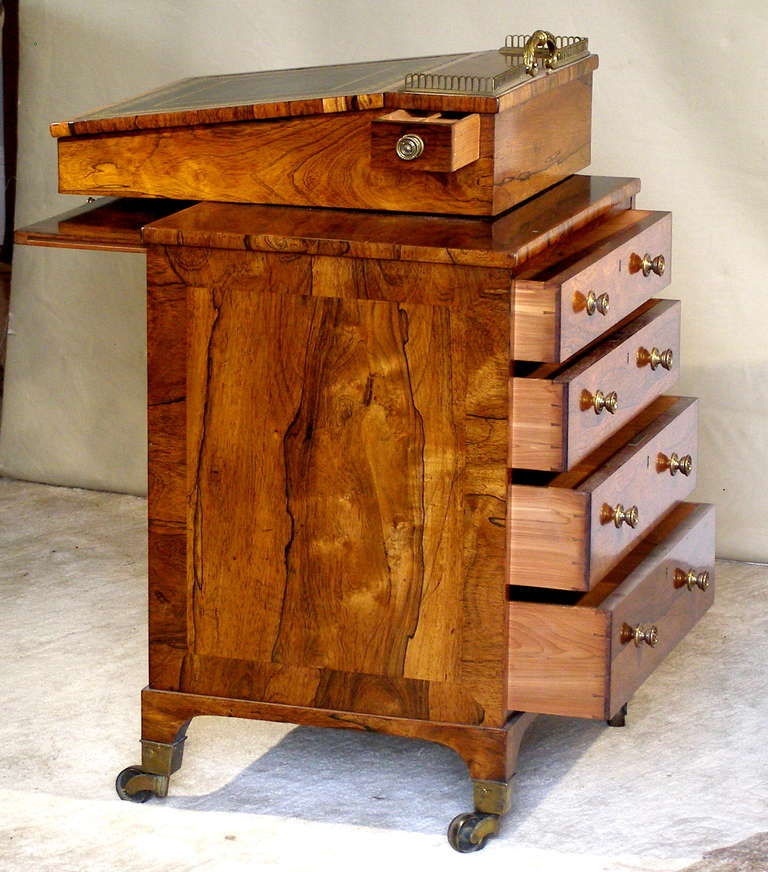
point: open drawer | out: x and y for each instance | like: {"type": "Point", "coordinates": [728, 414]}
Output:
{"type": "Point", "coordinates": [568, 296]}
{"type": "Point", "coordinates": [106, 224]}
{"type": "Point", "coordinates": [584, 656]}
{"type": "Point", "coordinates": [560, 414]}
{"type": "Point", "coordinates": [567, 531]}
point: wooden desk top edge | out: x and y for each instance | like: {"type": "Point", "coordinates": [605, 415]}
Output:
{"type": "Point", "coordinates": [505, 242]}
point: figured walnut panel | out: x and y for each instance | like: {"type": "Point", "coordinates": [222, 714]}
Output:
{"type": "Point", "coordinates": [346, 479]}
{"type": "Point", "coordinates": [541, 141]}
{"type": "Point", "coordinates": [322, 160]}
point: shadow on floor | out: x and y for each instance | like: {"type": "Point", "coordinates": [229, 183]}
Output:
{"type": "Point", "coordinates": [388, 782]}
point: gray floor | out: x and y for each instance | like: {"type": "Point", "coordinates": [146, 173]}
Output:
{"type": "Point", "coordinates": [688, 776]}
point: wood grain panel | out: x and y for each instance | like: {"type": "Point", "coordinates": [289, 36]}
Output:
{"type": "Point", "coordinates": [541, 141]}
{"type": "Point", "coordinates": [322, 160]}
{"type": "Point", "coordinates": [558, 659]}
{"type": "Point", "coordinates": [307, 410]}
{"type": "Point", "coordinates": [537, 434]}
{"type": "Point", "coordinates": [548, 531]}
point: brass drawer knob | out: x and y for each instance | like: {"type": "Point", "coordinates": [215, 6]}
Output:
{"type": "Point", "coordinates": [599, 401]}
{"type": "Point", "coordinates": [692, 579]}
{"type": "Point", "coordinates": [409, 146]}
{"type": "Point", "coordinates": [619, 515]}
{"type": "Point", "coordinates": [599, 304]}
{"type": "Point", "coordinates": [675, 464]}
{"type": "Point", "coordinates": [655, 357]}
{"type": "Point", "coordinates": [653, 265]}
{"type": "Point", "coordinates": [648, 633]}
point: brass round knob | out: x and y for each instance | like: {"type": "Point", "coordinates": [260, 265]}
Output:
{"type": "Point", "coordinates": [682, 464]}
{"type": "Point", "coordinates": [655, 357]}
{"type": "Point", "coordinates": [409, 146]}
{"type": "Point", "coordinates": [619, 515]}
{"type": "Point", "coordinates": [692, 579]}
{"type": "Point", "coordinates": [599, 401]}
{"type": "Point", "coordinates": [653, 265]}
{"type": "Point", "coordinates": [648, 633]}
{"type": "Point", "coordinates": [599, 304]}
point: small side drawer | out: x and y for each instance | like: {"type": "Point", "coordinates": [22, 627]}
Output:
{"type": "Point", "coordinates": [567, 531]}
{"type": "Point", "coordinates": [438, 143]}
{"type": "Point", "coordinates": [586, 657]}
{"type": "Point", "coordinates": [567, 297]}
{"type": "Point", "coordinates": [560, 414]}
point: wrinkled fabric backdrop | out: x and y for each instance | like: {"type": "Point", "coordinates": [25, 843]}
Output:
{"type": "Point", "coordinates": [679, 101]}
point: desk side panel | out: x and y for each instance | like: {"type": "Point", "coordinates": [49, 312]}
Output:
{"type": "Point", "coordinates": [344, 496]}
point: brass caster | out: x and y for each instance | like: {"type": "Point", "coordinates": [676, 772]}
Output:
{"type": "Point", "coordinates": [619, 719]}
{"type": "Point", "coordinates": [469, 832]}
{"type": "Point", "coordinates": [135, 785]}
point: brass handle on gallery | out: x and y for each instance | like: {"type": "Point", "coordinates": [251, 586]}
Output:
{"type": "Point", "coordinates": [409, 146]}
{"type": "Point", "coordinates": [599, 304]}
{"type": "Point", "coordinates": [648, 633]}
{"type": "Point", "coordinates": [653, 264]}
{"type": "Point", "coordinates": [655, 357]}
{"type": "Point", "coordinates": [619, 515]}
{"type": "Point", "coordinates": [675, 464]}
{"type": "Point", "coordinates": [539, 39]}
{"type": "Point", "coordinates": [599, 401]}
{"type": "Point", "coordinates": [692, 579]}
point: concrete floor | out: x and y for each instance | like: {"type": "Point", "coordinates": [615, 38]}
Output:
{"type": "Point", "coordinates": [689, 775]}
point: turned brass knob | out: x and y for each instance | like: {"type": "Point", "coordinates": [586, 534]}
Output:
{"type": "Point", "coordinates": [653, 265]}
{"type": "Point", "coordinates": [599, 401]}
{"type": "Point", "coordinates": [599, 304]}
{"type": "Point", "coordinates": [648, 633]}
{"type": "Point", "coordinates": [675, 464]}
{"type": "Point", "coordinates": [619, 515]}
{"type": "Point", "coordinates": [655, 357]}
{"type": "Point", "coordinates": [692, 579]}
{"type": "Point", "coordinates": [409, 147]}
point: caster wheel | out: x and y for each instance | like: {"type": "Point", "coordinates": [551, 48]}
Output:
{"type": "Point", "coordinates": [123, 785]}
{"type": "Point", "coordinates": [619, 719]}
{"type": "Point", "coordinates": [469, 832]}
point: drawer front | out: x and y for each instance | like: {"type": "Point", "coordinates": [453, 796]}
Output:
{"type": "Point", "coordinates": [582, 660]}
{"type": "Point", "coordinates": [660, 472]}
{"type": "Point", "coordinates": [657, 596]}
{"type": "Point", "coordinates": [623, 277]}
{"type": "Point", "coordinates": [563, 533]}
{"type": "Point", "coordinates": [557, 415]}
{"type": "Point", "coordinates": [623, 371]}
{"type": "Point", "coordinates": [579, 289]}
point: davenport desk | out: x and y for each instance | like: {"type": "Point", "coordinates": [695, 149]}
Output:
{"type": "Point", "coordinates": [412, 473]}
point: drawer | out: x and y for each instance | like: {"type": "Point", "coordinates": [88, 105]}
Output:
{"type": "Point", "coordinates": [585, 657]}
{"type": "Point", "coordinates": [567, 531]}
{"type": "Point", "coordinates": [560, 414]}
{"type": "Point", "coordinates": [425, 142]}
{"type": "Point", "coordinates": [566, 298]}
